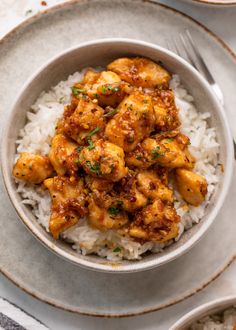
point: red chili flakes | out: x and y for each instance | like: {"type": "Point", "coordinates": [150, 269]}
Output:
{"type": "Point", "coordinates": [44, 3]}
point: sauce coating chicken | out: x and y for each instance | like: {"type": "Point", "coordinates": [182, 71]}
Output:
{"type": "Point", "coordinates": [166, 112]}
{"type": "Point", "coordinates": [32, 168]}
{"type": "Point", "coordinates": [166, 150]}
{"type": "Point", "coordinates": [68, 203]}
{"type": "Point", "coordinates": [61, 149]}
{"type": "Point", "coordinates": [133, 122]}
{"type": "Point", "coordinates": [115, 148]}
{"type": "Point", "coordinates": [105, 86]}
{"type": "Point", "coordinates": [152, 187]}
{"type": "Point", "coordinates": [105, 160]}
{"type": "Point", "coordinates": [140, 72]}
{"type": "Point", "coordinates": [156, 222]}
{"type": "Point", "coordinates": [191, 186]}
{"type": "Point", "coordinates": [86, 117]}
{"type": "Point", "coordinates": [106, 218]}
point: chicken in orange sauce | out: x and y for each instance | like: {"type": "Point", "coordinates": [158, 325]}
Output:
{"type": "Point", "coordinates": [115, 150]}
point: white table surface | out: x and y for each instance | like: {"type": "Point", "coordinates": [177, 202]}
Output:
{"type": "Point", "coordinates": [222, 21]}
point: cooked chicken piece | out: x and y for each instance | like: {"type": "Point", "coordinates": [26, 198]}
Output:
{"type": "Point", "coordinates": [104, 160]}
{"type": "Point", "coordinates": [156, 222]}
{"type": "Point", "coordinates": [68, 203]}
{"type": "Point", "coordinates": [86, 122]}
{"type": "Point", "coordinates": [152, 187]}
{"type": "Point", "coordinates": [32, 168]}
{"type": "Point", "coordinates": [112, 217]}
{"type": "Point", "coordinates": [140, 72]}
{"type": "Point", "coordinates": [132, 199]}
{"type": "Point", "coordinates": [142, 156]}
{"type": "Point", "coordinates": [166, 113]}
{"type": "Point", "coordinates": [90, 78]}
{"type": "Point", "coordinates": [61, 148]}
{"type": "Point", "coordinates": [105, 86]}
{"type": "Point", "coordinates": [191, 186]}
{"type": "Point", "coordinates": [98, 184]}
{"type": "Point", "coordinates": [133, 122]}
{"type": "Point", "coordinates": [168, 152]}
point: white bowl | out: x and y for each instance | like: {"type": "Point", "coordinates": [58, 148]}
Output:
{"type": "Point", "coordinates": [101, 52]}
{"type": "Point", "coordinates": [210, 308]}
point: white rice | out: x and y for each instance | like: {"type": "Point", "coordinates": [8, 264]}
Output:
{"type": "Point", "coordinates": [35, 137]}
{"type": "Point", "coordinates": [222, 321]}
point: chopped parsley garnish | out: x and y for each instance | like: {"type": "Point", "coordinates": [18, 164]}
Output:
{"type": "Point", "coordinates": [94, 168]}
{"type": "Point", "coordinates": [117, 249]}
{"type": "Point", "coordinates": [110, 113]}
{"type": "Point", "coordinates": [156, 153]}
{"type": "Point", "coordinates": [91, 145]}
{"type": "Point", "coordinates": [139, 157]}
{"type": "Point", "coordinates": [145, 101]}
{"type": "Point", "coordinates": [94, 131]}
{"type": "Point", "coordinates": [104, 89]}
{"type": "Point", "coordinates": [76, 91]}
{"type": "Point", "coordinates": [169, 140]}
{"type": "Point", "coordinates": [130, 107]}
{"type": "Point", "coordinates": [113, 210]}
{"type": "Point", "coordinates": [78, 149]}
{"type": "Point", "coordinates": [95, 95]}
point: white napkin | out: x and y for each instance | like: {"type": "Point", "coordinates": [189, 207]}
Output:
{"type": "Point", "coordinates": [14, 318]}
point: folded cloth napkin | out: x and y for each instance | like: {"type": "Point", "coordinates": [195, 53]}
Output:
{"type": "Point", "coordinates": [14, 318]}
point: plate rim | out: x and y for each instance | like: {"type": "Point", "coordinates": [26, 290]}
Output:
{"type": "Point", "coordinates": [216, 3]}
{"type": "Point", "coordinates": [27, 22]}
{"type": "Point", "coordinates": [77, 310]}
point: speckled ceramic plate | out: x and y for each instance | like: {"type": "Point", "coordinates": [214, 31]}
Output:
{"type": "Point", "coordinates": [23, 259]}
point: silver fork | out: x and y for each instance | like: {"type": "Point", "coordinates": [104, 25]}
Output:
{"type": "Point", "coordinates": [187, 49]}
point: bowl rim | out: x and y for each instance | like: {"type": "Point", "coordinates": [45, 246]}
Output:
{"type": "Point", "coordinates": [137, 265]}
{"type": "Point", "coordinates": [202, 309]}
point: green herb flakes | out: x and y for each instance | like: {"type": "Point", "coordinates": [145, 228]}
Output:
{"type": "Point", "coordinates": [117, 249]}
{"type": "Point", "coordinates": [76, 91]}
{"type": "Point", "coordinates": [113, 210]}
{"type": "Point", "coordinates": [94, 168]}
{"type": "Point", "coordinates": [169, 140]}
{"type": "Point", "coordinates": [156, 153]}
{"type": "Point", "coordinates": [78, 149]}
{"type": "Point", "coordinates": [110, 113]}
{"type": "Point", "coordinates": [94, 131]}
{"type": "Point", "coordinates": [104, 89]}
{"type": "Point", "coordinates": [91, 145]}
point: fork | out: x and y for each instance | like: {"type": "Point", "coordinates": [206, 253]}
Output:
{"type": "Point", "coordinates": [190, 52]}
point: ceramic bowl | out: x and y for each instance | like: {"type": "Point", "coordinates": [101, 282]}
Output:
{"type": "Point", "coordinates": [210, 308]}
{"type": "Point", "coordinates": [101, 52]}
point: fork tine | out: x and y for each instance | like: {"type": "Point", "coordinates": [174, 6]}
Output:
{"type": "Point", "coordinates": [176, 46]}
{"type": "Point", "coordinates": [199, 62]}
{"type": "Point", "coordinates": [169, 45]}
{"type": "Point", "coordinates": [188, 54]}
